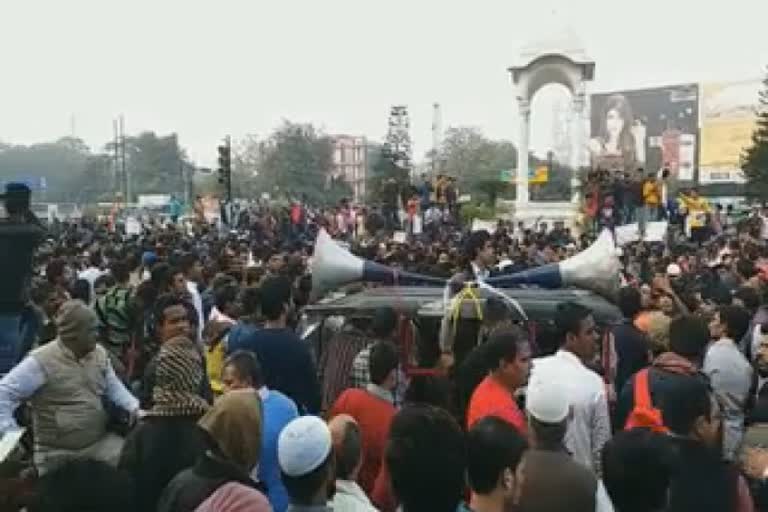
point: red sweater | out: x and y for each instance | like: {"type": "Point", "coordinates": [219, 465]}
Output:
{"type": "Point", "coordinates": [492, 399]}
{"type": "Point", "coordinates": [374, 416]}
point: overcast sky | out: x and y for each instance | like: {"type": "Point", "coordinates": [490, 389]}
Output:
{"type": "Point", "coordinates": [205, 69]}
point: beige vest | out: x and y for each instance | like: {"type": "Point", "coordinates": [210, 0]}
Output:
{"type": "Point", "coordinates": [67, 412]}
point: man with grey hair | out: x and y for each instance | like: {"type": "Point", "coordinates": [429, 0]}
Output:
{"type": "Point", "coordinates": [67, 383]}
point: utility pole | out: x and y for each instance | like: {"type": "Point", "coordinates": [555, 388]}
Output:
{"type": "Point", "coordinates": [437, 138]}
{"type": "Point", "coordinates": [128, 184]}
{"type": "Point", "coordinates": [118, 176]}
{"type": "Point", "coordinates": [225, 167]}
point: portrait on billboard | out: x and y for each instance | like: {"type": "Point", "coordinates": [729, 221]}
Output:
{"type": "Point", "coordinates": [620, 142]}
{"type": "Point", "coordinates": [652, 129]}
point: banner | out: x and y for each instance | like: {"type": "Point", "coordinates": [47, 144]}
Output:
{"type": "Point", "coordinates": [132, 226]}
{"type": "Point", "coordinates": [654, 232]}
{"type": "Point", "coordinates": [647, 128]}
{"type": "Point", "coordinates": [399, 237]}
{"type": "Point", "coordinates": [484, 225]}
{"type": "Point", "coordinates": [728, 118]}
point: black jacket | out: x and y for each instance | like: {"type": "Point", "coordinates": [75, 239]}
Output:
{"type": "Point", "coordinates": [667, 371]}
{"type": "Point", "coordinates": [156, 451]}
{"type": "Point", "coordinates": [193, 486]}
{"type": "Point", "coordinates": [701, 480]}
{"type": "Point", "coordinates": [632, 349]}
{"type": "Point", "coordinates": [18, 242]}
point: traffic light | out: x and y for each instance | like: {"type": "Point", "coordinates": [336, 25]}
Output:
{"type": "Point", "coordinates": [225, 167]}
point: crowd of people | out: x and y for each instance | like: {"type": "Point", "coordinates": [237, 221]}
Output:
{"type": "Point", "coordinates": [166, 371]}
{"type": "Point", "coordinates": [615, 199]}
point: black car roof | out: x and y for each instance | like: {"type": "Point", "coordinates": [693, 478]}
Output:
{"type": "Point", "coordinates": [538, 303]}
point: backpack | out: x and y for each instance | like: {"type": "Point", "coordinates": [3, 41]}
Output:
{"type": "Point", "coordinates": [644, 414]}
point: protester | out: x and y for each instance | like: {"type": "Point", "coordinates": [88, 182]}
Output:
{"type": "Point", "coordinates": [234, 497]}
{"type": "Point", "coordinates": [242, 370]}
{"type": "Point", "coordinates": [373, 409]}
{"type": "Point", "coordinates": [651, 200]}
{"type": "Point", "coordinates": [289, 364]}
{"type": "Point", "coordinates": [66, 382]}
{"type": "Point", "coordinates": [631, 344]}
{"type": "Point", "coordinates": [117, 316]}
{"type": "Point", "coordinates": [20, 234]}
{"type": "Point", "coordinates": [422, 390]}
{"type": "Point", "coordinates": [383, 328]}
{"type": "Point", "coordinates": [637, 468]}
{"type": "Point", "coordinates": [337, 358]}
{"type": "Point", "coordinates": [167, 439]}
{"type": "Point", "coordinates": [729, 372]}
{"type": "Point", "coordinates": [233, 429]}
{"type": "Point", "coordinates": [83, 484]}
{"type": "Point", "coordinates": [688, 340]}
{"type": "Point", "coordinates": [92, 272]}
{"type": "Point", "coordinates": [552, 480]}
{"type": "Point", "coordinates": [480, 255]}
{"type": "Point", "coordinates": [190, 267]}
{"type": "Point", "coordinates": [305, 452]}
{"type": "Point", "coordinates": [701, 480]}
{"type": "Point", "coordinates": [259, 271]}
{"type": "Point", "coordinates": [508, 355]}
{"type": "Point", "coordinates": [658, 333]}
{"type": "Point", "coordinates": [590, 427]}
{"type": "Point", "coordinates": [172, 325]}
{"type": "Point", "coordinates": [348, 450]}
{"type": "Point", "coordinates": [426, 459]}
{"type": "Point", "coordinates": [494, 452]}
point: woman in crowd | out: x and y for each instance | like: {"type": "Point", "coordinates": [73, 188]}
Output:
{"type": "Point", "coordinates": [233, 429]}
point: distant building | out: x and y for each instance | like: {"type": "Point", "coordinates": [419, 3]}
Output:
{"type": "Point", "coordinates": [351, 162]}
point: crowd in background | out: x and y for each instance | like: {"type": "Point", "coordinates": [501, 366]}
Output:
{"type": "Point", "coordinates": [615, 199]}
{"type": "Point", "coordinates": [166, 370]}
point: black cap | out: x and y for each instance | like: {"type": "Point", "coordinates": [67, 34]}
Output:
{"type": "Point", "coordinates": [17, 191]}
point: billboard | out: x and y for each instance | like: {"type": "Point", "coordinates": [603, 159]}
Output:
{"type": "Point", "coordinates": [648, 128]}
{"type": "Point", "coordinates": [728, 117]}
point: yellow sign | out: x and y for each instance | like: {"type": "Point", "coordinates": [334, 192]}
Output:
{"type": "Point", "coordinates": [540, 175]}
{"type": "Point", "coordinates": [727, 121]}
{"type": "Point", "coordinates": [536, 176]}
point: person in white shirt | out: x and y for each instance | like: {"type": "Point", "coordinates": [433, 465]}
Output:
{"type": "Point", "coordinates": [590, 426]}
{"type": "Point", "coordinates": [93, 272]}
{"type": "Point", "coordinates": [67, 382]}
{"type": "Point", "coordinates": [193, 273]}
{"type": "Point", "coordinates": [348, 452]}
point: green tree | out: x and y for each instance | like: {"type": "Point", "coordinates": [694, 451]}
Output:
{"type": "Point", "coordinates": [246, 159]}
{"type": "Point", "coordinates": [96, 182]}
{"type": "Point", "coordinates": [477, 162]}
{"type": "Point", "coordinates": [755, 158]}
{"type": "Point", "coordinates": [296, 162]}
{"type": "Point", "coordinates": [59, 163]}
{"type": "Point", "coordinates": [387, 179]}
{"type": "Point", "coordinates": [155, 163]}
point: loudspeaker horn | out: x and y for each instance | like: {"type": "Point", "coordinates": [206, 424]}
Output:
{"type": "Point", "coordinates": [333, 266]}
{"type": "Point", "coordinates": [596, 268]}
